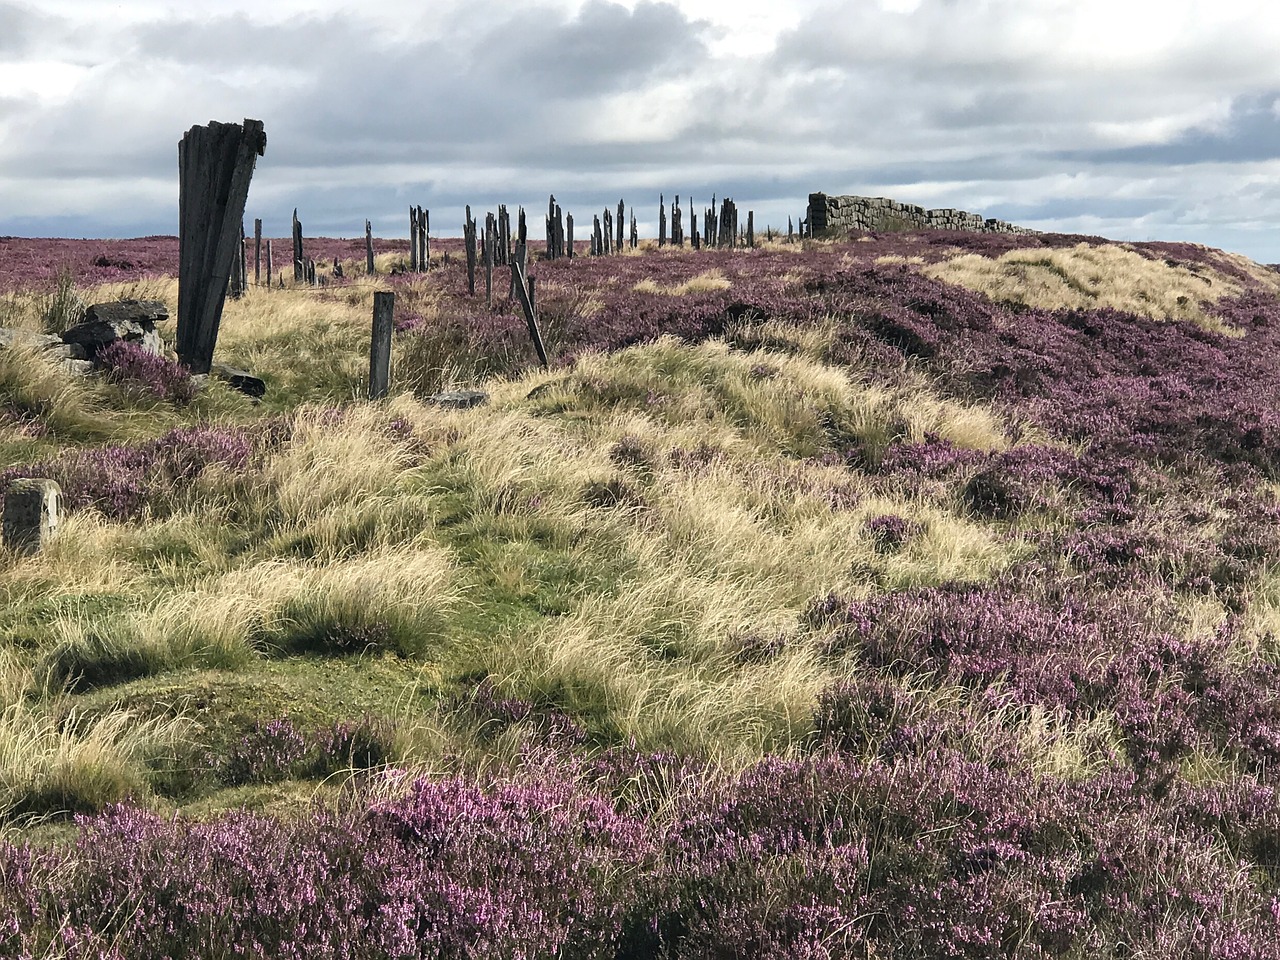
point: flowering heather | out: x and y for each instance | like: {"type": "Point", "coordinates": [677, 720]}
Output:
{"type": "Point", "coordinates": [931, 854]}
{"type": "Point", "coordinates": [129, 364]}
{"type": "Point", "coordinates": [121, 480]}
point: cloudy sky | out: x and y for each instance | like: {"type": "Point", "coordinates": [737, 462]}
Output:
{"type": "Point", "coordinates": [1126, 118]}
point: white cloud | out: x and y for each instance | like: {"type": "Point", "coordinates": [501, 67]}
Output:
{"type": "Point", "coordinates": [1135, 115]}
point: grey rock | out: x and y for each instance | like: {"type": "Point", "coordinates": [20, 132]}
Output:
{"type": "Point", "coordinates": [25, 338]}
{"type": "Point", "coordinates": [80, 368]}
{"type": "Point", "coordinates": [139, 311]}
{"type": "Point", "coordinates": [460, 399]}
{"type": "Point", "coordinates": [241, 380]}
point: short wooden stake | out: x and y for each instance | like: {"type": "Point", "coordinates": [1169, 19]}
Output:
{"type": "Point", "coordinates": [380, 345]}
{"type": "Point", "coordinates": [526, 304]}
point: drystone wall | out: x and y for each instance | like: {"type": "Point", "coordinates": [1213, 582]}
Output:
{"type": "Point", "coordinates": [828, 215]}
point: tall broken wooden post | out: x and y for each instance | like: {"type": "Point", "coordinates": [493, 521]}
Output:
{"type": "Point", "coordinates": [215, 165]}
{"type": "Point", "coordinates": [413, 239]}
{"type": "Point", "coordinates": [424, 255]}
{"type": "Point", "coordinates": [299, 260]}
{"type": "Point", "coordinates": [368, 248]}
{"type": "Point", "coordinates": [380, 345]}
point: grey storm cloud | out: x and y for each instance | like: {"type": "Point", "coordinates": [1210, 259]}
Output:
{"type": "Point", "coordinates": [1038, 112]}
{"type": "Point", "coordinates": [1251, 132]}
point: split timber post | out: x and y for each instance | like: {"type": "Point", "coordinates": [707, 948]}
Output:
{"type": "Point", "coordinates": [368, 248]}
{"type": "Point", "coordinates": [469, 238]}
{"type": "Point", "coordinates": [413, 239]}
{"type": "Point", "coordinates": [424, 237]}
{"type": "Point", "coordinates": [526, 304]}
{"type": "Point", "coordinates": [257, 252]}
{"type": "Point", "coordinates": [299, 261]}
{"type": "Point", "coordinates": [215, 165]}
{"type": "Point", "coordinates": [380, 345]}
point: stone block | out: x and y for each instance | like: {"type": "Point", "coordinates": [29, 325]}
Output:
{"type": "Point", "coordinates": [30, 514]}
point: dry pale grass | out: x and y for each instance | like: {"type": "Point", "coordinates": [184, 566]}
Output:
{"type": "Point", "coordinates": [51, 758]}
{"type": "Point", "coordinates": [707, 282]}
{"type": "Point", "coordinates": [1087, 277]}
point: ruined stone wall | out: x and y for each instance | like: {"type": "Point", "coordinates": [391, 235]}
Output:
{"type": "Point", "coordinates": [828, 215]}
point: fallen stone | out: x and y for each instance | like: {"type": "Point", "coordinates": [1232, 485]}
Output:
{"type": "Point", "coordinates": [79, 368]}
{"type": "Point", "coordinates": [133, 321]}
{"type": "Point", "coordinates": [139, 311]}
{"type": "Point", "coordinates": [241, 380]}
{"type": "Point", "coordinates": [459, 399]}
{"type": "Point", "coordinates": [30, 514]}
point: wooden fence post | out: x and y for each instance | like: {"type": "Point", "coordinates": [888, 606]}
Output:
{"type": "Point", "coordinates": [490, 242]}
{"type": "Point", "coordinates": [257, 252]}
{"type": "Point", "coordinates": [635, 231]}
{"type": "Point", "coordinates": [270, 258]}
{"type": "Point", "coordinates": [469, 239]}
{"type": "Point", "coordinates": [368, 248]}
{"type": "Point", "coordinates": [693, 228]}
{"type": "Point", "coordinates": [622, 213]}
{"type": "Point", "coordinates": [299, 261]}
{"type": "Point", "coordinates": [413, 239]}
{"type": "Point", "coordinates": [380, 345]}
{"type": "Point", "coordinates": [568, 242]}
{"type": "Point", "coordinates": [526, 304]}
{"type": "Point", "coordinates": [751, 228]}
{"type": "Point", "coordinates": [424, 261]}
{"type": "Point", "coordinates": [662, 221]}
{"type": "Point", "coordinates": [215, 165]}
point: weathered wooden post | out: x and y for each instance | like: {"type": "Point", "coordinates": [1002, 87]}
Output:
{"type": "Point", "coordinates": [677, 223]}
{"type": "Point", "coordinates": [424, 225]}
{"type": "Point", "coordinates": [215, 165]}
{"type": "Point", "coordinates": [568, 239]}
{"type": "Point", "coordinates": [751, 228]}
{"type": "Point", "coordinates": [270, 260]}
{"type": "Point", "coordinates": [693, 227]}
{"type": "Point", "coordinates": [30, 514]}
{"type": "Point", "coordinates": [413, 239]}
{"type": "Point", "coordinates": [526, 304]}
{"type": "Point", "coordinates": [469, 240]}
{"type": "Point", "coordinates": [299, 260]}
{"type": "Point", "coordinates": [244, 260]}
{"type": "Point", "coordinates": [662, 221]}
{"type": "Point", "coordinates": [791, 233]}
{"type": "Point", "coordinates": [380, 345]}
{"type": "Point", "coordinates": [368, 248]}
{"type": "Point", "coordinates": [423, 264]}
{"type": "Point", "coordinates": [597, 245]}
{"type": "Point", "coordinates": [257, 252]}
{"type": "Point", "coordinates": [622, 213]}
{"type": "Point", "coordinates": [635, 231]}
{"type": "Point", "coordinates": [490, 242]}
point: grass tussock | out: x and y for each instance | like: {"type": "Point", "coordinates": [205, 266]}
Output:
{"type": "Point", "coordinates": [706, 282]}
{"type": "Point", "coordinates": [1089, 277]}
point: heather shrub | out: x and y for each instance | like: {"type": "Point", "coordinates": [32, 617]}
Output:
{"type": "Point", "coordinates": [134, 367]}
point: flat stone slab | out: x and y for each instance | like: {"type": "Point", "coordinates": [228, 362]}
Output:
{"type": "Point", "coordinates": [137, 311]}
{"type": "Point", "coordinates": [459, 399]}
{"type": "Point", "coordinates": [241, 380]}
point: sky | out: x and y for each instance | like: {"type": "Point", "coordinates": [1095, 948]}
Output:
{"type": "Point", "coordinates": [1127, 119]}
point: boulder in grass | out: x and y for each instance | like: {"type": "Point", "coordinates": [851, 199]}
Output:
{"type": "Point", "coordinates": [133, 321]}
{"type": "Point", "coordinates": [459, 399]}
{"type": "Point", "coordinates": [241, 380]}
